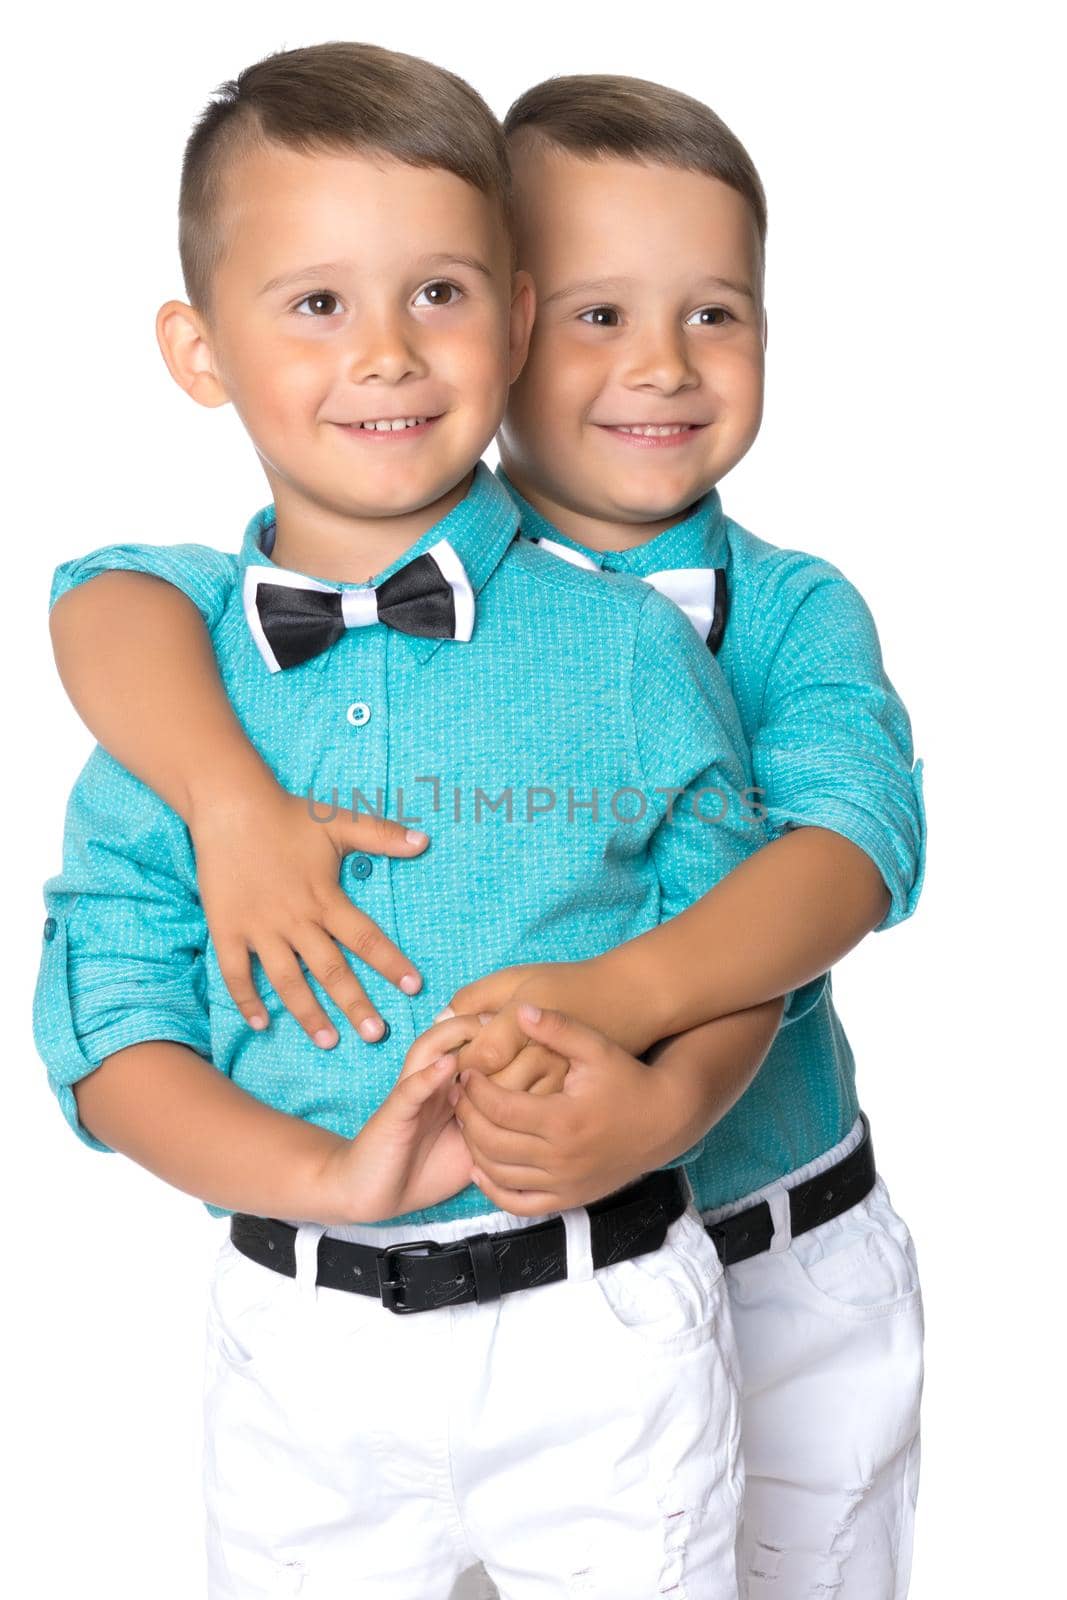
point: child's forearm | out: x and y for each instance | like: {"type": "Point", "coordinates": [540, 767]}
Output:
{"type": "Point", "coordinates": [707, 1070]}
{"type": "Point", "coordinates": [172, 1112]}
{"type": "Point", "coordinates": [137, 663]}
{"type": "Point", "coordinates": [780, 919]}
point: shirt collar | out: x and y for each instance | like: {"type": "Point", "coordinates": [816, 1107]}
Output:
{"type": "Point", "coordinates": [479, 530]}
{"type": "Point", "coordinates": [699, 540]}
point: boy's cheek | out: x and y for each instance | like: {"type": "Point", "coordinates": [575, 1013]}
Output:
{"type": "Point", "coordinates": [272, 388]}
{"type": "Point", "coordinates": [575, 370]}
{"type": "Point", "coordinates": [743, 370]}
{"type": "Point", "coordinates": [556, 389]}
{"type": "Point", "coordinates": [748, 403]}
{"type": "Point", "coordinates": [482, 349]}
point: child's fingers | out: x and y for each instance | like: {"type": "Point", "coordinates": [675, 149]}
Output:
{"type": "Point", "coordinates": [549, 1085]}
{"type": "Point", "coordinates": [535, 1069]}
{"type": "Point", "coordinates": [510, 1108]}
{"type": "Point", "coordinates": [442, 1036]}
{"type": "Point", "coordinates": [520, 1074]}
{"type": "Point", "coordinates": [282, 968]}
{"type": "Point", "coordinates": [497, 1045]}
{"type": "Point", "coordinates": [234, 960]}
{"type": "Point", "coordinates": [511, 1175]}
{"type": "Point", "coordinates": [487, 1139]}
{"type": "Point", "coordinates": [352, 927]}
{"type": "Point", "coordinates": [410, 1094]}
{"type": "Point", "coordinates": [326, 961]}
{"type": "Point", "coordinates": [378, 835]}
{"type": "Point", "coordinates": [520, 1202]}
{"type": "Point", "coordinates": [560, 1033]}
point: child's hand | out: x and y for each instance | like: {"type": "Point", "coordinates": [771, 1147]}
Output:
{"type": "Point", "coordinates": [533, 1067]}
{"type": "Point", "coordinates": [615, 1119]}
{"type": "Point", "coordinates": [408, 1155]}
{"type": "Point", "coordinates": [494, 991]}
{"type": "Point", "coordinates": [443, 1038]}
{"type": "Point", "coordinates": [268, 876]}
{"type": "Point", "coordinates": [502, 1050]}
{"type": "Point", "coordinates": [536, 1069]}
{"type": "Point", "coordinates": [601, 992]}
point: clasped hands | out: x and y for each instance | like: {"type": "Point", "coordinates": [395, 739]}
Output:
{"type": "Point", "coordinates": [549, 1113]}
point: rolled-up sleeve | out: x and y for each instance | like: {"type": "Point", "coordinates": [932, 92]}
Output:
{"type": "Point", "coordinates": [122, 957]}
{"type": "Point", "coordinates": [833, 748]}
{"type": "Point", "coordinates": [203, 574]}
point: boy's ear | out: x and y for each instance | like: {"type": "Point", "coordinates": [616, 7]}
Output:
{"type": "Point", "coordinates": [765, 330]}
{"type": "Point", "coordinates": [183, 339]}
{"type": "Point", "coordinates": [523, 308]}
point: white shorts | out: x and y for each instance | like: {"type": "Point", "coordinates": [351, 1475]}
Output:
{"type": "Point", "coordinates": [580, 1438]}
{"type": "Point", "coordinates": [829, 1329]}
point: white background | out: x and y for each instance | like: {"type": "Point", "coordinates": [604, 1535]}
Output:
{"type": "Point", "coordinates": [915, 373]}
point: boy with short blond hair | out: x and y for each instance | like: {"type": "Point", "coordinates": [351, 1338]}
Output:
{"type": "Point", "coordinates": [395, 1364]}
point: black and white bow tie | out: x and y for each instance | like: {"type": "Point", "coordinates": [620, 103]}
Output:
{"type": "Point", "coordinates": [699, 591]}
{"type": "Point", "coordinates": [293, 618]}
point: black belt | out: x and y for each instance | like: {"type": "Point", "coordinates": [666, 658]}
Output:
{"type": "Point", "coordinates": [424, 1275]}
{"type": "Point", "coordinates": [815, 1200]}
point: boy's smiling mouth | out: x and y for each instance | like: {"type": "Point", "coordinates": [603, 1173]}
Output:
{"type": "Point", "coordinates": [390, 427]}
{"type": "Point", "coordinates": [648, 435]}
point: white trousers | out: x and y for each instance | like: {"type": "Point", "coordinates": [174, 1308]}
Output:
{"type": "Point", "coordinates": [829, 1330]}
{"type": "Point", "coordinates": [580, 1438]}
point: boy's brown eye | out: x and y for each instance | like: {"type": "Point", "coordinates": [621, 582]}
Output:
{"type": "Point", "coordinates": [320, 304]}
{"type": "Point", "coordinates": [709, 316]}
{"type": "Point", "coordinates": [601, 317]}
{"type": "Point", "coordinates": [437, 294]}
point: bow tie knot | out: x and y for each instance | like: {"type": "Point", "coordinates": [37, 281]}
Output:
{"type": "Point", "coordinates": [293, 618]}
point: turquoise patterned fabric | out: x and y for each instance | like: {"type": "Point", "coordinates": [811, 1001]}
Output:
{"type": "Point", "coordinates": [573, 687]}
{"type": "Point", "coordinates": [831, 748]}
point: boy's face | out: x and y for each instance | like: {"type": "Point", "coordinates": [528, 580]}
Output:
{"type": "Point", "coordinates": [649, 315]}
{"type": "Point", "coordinates": [355, 289]}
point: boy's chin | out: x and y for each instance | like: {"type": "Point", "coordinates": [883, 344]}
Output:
{"type": "Point", "coordinates": [641, 504]}
{"type": "Point", "coordinates": [649, 490]}
{"type": "Point", "coordinates": [399, 494]}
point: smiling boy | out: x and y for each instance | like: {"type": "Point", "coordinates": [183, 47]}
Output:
{"type": "Point", "coordinates": [346, 250]}
{"type": "Point", "coordinates": [645, 380]}
{"type": "Point", "coordinates": [643, 221]}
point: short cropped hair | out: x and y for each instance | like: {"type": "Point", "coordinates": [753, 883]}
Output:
{"type": "Point", "coordinates": [333, 97]}
{"type": "Point", "coordinates": [601, 114]}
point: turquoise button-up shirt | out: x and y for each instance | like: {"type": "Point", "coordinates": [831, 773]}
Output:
{"type": "Point", "coordinates": [558, 760]}
{"type": "Point", "coordinates": [831, 748]}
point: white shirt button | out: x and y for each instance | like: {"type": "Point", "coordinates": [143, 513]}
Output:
{"type": "Point", "coordinates": [358, 713]}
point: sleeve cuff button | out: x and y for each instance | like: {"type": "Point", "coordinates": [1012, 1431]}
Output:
{"type": "Point", "coordinates": [50, 928]}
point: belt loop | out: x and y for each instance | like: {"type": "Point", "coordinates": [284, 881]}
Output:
{"type": "Point", "coordinates": [306, 1249]}
{"type": "Point", "coordinates": [579, 1244]}
{"type": "Point", "coordinates": [781, 1220]}
{"type": "Point", "coordinates": [485, 1266]}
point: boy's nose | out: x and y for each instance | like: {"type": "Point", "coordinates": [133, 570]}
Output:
{"type": "Point", "coordinates": [661, 362]}
{"type": "Point", "coordinates": [385, 352]}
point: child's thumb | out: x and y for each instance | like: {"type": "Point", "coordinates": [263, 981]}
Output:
{"type": "Point", "coordinates": [556, 1030]}
{"type": "Point", "coordinates": [378, 836]}
{"type": "Point", "coordinates": [420, 1085]}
